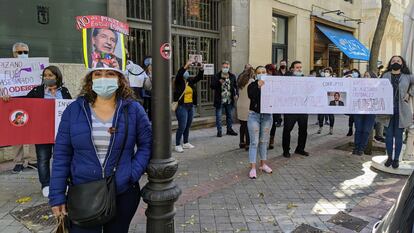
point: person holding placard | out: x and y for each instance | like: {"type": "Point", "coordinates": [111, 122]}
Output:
{"type": "Point", "coordinates": [291, 119]}
{"type": "Point", "coordinates": [259, 125]}
{"type": "Point", "coordinates": [185, 93]}
{"type": "Point", "coordinates": [327, 73]}
{"type": "Point", "coordinates": [271, 70]}
{"type": "Point", "coordinates": [364, 123]}
{"type": "Point", "coordinates": [21, 50]}
{"type": "Point", "coordinates": [51, 88]}
{"type": "Point", "coordinates": [401, 79]}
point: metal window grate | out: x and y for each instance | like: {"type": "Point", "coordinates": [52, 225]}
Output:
{"type": "Point", "coordinates": [203, 16]}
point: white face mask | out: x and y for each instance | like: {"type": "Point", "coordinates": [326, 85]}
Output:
{"type": "Point", "coordinates": [23, 55]}
{"type": "Point", "coordinates": [327, 74]}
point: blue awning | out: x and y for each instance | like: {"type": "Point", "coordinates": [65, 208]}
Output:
{"type": "Point", "coordinates": [346, 42]}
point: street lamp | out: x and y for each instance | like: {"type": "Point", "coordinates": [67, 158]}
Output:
{"type": "Point", "coordinates": [161, 192]}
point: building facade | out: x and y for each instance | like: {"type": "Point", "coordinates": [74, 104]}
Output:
{"type": "Point", "coordinates": [392, 40]}
{"type": "Point", "coordinates": [240, 31]}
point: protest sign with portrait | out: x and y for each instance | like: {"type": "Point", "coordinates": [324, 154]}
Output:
{"type": "Point", "coordinates": [103, 41]}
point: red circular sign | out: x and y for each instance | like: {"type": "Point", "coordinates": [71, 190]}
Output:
{"type": "Point", "coordinates": [19, 118]}
{"type": "Point", "coordinates": [165, 51]}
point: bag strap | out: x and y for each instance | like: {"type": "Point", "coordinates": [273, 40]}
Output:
{"type": "Point", "coordinates": [186, 84]}
{"type": "Point", "coordinates": [124, 141]}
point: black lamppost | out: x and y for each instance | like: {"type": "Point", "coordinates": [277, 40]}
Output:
{"type": "Point", "coordinates": [161, 192]}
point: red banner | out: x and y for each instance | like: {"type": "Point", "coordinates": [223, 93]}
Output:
{"type": "Point", "coordinates": [27, 121]}
{"type": "Point", "coordinates": [97, 21]}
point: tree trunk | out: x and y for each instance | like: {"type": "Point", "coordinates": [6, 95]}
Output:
{"type": "Point", "coordinates": [375, 48]}
{"type": "Point", "coordinates": [379, 33]}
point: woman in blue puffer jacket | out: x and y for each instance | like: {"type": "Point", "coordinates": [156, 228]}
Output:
{"type": "Point", "coordinates": [89, 142]}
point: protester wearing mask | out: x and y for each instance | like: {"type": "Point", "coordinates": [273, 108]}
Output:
{"type": "Point", "coordinates": [401, 80]}
{"type": "Point", "coordinates": [104, 133]}
{"type": "Point", "coordinates": [51, 88]}
{"type": "Point", "coordinates": [225, 94]}
{"type": "Point", "coordinates": [327, 73]}
{"type": "Point", "coordinates": [185, 93]}
{"type": "Point", "coordinates": [364, 123]}
{"type": "Point", "coordinates": [291, 119]}
{"type": "Point", "coordinates": [282, 71]}
{"type": "Point", "coordinates": [259, 125]}
{"type": "Point", "coordinates": [354, 73]}
{"type": "Point", "coordinates": [21, 50]}
{"type": "Point", "coordinates": [243, 104]}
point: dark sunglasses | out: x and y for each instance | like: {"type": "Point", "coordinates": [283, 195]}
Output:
{"type": "Point", "coordinates": [21, 52]}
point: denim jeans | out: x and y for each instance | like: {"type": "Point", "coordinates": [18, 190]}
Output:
{"type": "Point", "coordinates": [229, 120]}
{"type": "Point", "coordinates": [394, 132]}
{"type": "Point", "coordinates": [127, 204]}
{"type": "Point", "coordinates": [184, 114]}
{"type": "Point", "coordinates": [259, 126]}
{"type": "Point", "coordinates": [364, 123]}
{"type": "Point", "coordinates": [44, 154]}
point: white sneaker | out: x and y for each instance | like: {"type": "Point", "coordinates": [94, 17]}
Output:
{"type": "Point", "coordinates": [45, 191]}
{"type": "Point", "coordinates": [179, 149]}
{"type": "Point", "coordinates": [188, 146]}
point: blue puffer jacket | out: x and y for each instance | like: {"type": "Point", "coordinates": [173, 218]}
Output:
{"type": "Point", "coordinates": [75, 154]}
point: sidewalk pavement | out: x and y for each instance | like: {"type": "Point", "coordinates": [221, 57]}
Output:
{"type": "Point", "coordinates": [218, 196]}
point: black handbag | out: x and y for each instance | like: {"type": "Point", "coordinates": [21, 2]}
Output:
{"type": "Point", "coordinates": [94, 203]}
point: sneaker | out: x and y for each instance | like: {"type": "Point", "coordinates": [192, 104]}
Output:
{"type": "Point", "coordinates": [32, 166]}
{"type": "Point", "coordinates": [286, 154]}
{"type": "Point", "coordinates": [379, 139]}
{"type": "Point", "coordinates": [219, 134]}
{"type": "Point", "coordinates": [17, 169]}
{"type": "Point", "coordinates": [231, 132]}
{"type": "Point", "coordinates": [395, 164]}
{"type": "Point", "coordinates": [319, 130]}
{"type": "Point", "coordinates": [388, 162]}
{"type": "Point", "coordinates": [266, 169]}
{"type": "Point", "coordinates": [252, 174]}
{"type": "Point", "coordinates": [304, 153]}
{"type": "Point", "coordinates": [330, 131]}
{"type": "Point", "coordinates": [45, 191]}
{"type": "Point", "coordinates": [188, 146]}
{"type": "Point", "coordinates": [179, 149]}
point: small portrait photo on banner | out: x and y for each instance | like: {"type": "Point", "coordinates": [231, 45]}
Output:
{"type": "Point", "coordinates": [336, 98]}
{"type": "Point", "coordinates": [105, 48]}
{"type": "Point", "coordinates": [19, 118]}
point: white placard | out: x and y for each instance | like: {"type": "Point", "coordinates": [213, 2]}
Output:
{"type": "Point", "coordinates": [208, 69]}
{"type": "Point", "coordinates": [18, 76]}
{"type": "Point", "coordinates": [195, 58]}
{"type": "Point", "coordinates": [317, 95]}
{"type": "Point", "coordinates": [60, 106]}
{"type": "Point", "coordinates": [136, 75]}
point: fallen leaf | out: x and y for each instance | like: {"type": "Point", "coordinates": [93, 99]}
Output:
{"type": "Point", "coordinates": [261, 195]}
{"type": "Point", "coordinates": [291, 205]}
{"type": "Point", "coordinates": [23, 200]}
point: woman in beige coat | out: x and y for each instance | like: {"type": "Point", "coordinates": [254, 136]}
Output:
{"type": "Point", "coordinates": [243, 103]}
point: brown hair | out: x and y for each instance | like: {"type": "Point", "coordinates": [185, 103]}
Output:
{"type": "Point", "coordinates": [123, 92]}
{"type": "Point", "coordinates": [245, 77]}
{"type": "Point", "coordinates": [55, 70]}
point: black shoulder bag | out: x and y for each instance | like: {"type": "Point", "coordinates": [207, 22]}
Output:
{"type": "Point", "coordinates": [94, 203]}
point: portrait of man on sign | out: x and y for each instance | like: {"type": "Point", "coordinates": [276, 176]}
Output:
{"type": "Point", "coordinates": [104, 49]}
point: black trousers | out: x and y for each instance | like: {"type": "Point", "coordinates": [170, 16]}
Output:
{"type": "Point", "coordinates": [126, 206]}
{"type": "Point", "coordinates": [277, 119]}
{"type": "Point", "coordinates": [244, 133]}
{"type": "Point", "coordinates": [331, 118]}
{"type": "Point", "coordinates": [351, 121]}
{"type": "Point", "coordinates": [290, 121]}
